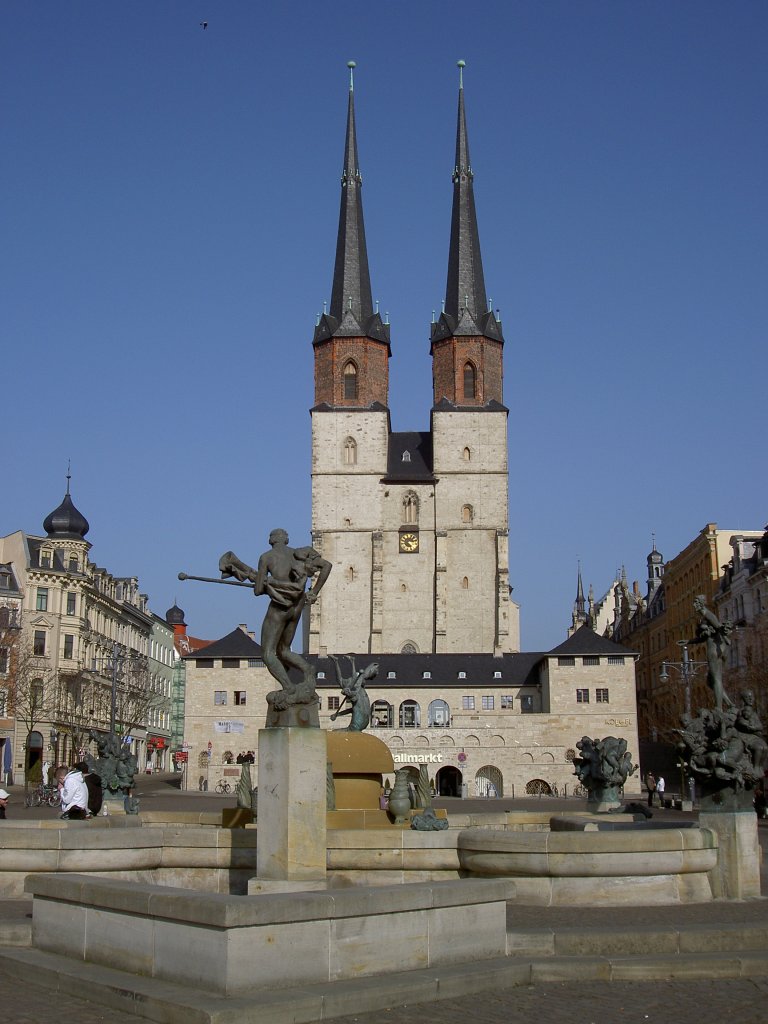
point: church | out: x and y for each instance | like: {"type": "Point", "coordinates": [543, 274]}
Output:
{"type": "Point", "coordinates": [416, 525]}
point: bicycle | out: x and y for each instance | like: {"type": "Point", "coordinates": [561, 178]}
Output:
{"type": "Point", "coordinates": [222, 786]}
{"type": "Point", "coordinates": [42, 796]}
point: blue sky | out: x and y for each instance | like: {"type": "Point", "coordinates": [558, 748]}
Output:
{"type": "Point", "coordinates": [169, 201]}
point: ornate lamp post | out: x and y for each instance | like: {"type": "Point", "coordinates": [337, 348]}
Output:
{"type": "Point", "coordinates": [686, 668]}
{"type": "Point", "coordinates": [53, 738]}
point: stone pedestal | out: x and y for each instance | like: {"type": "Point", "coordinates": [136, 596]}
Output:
{"type": "Point", "coordinates": [291, 839]}
{"type": "Point", "coordinates": [737, 875]}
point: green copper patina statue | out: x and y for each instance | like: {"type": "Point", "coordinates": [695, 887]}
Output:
{"type": "Point", "coordinates": [282, 575]}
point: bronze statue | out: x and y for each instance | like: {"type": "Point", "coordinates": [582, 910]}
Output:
{"type": "Point", "coordinates": [603, 768]}
{"type": "Point", "coordinates": [354, 691]}
{"type": "Point", "coordinates": [726, 751]}
{"type": "Point", "coordinates": [716, 635]}
{"type": "Point", "coordinates": [282, 575]}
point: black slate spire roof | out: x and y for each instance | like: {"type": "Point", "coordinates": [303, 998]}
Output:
{"type": "Point", "coordinates": [466, 302]}
{"type": "Point", "coordinates": [66, 521]}
{"type": "Point", "coordinates": [351, 313]}
{"type": "Point", "coordinates": [580, 605]}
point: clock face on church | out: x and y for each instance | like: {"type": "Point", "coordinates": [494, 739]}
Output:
{"type": "Point", "coordinates": [409, 543]}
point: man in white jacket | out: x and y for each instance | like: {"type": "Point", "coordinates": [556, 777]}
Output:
{"type": "Point", "coordinates": [73, 792]}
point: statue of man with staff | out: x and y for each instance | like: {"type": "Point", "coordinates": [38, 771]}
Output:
{"type": "Point", "coordinates": [282, 575]}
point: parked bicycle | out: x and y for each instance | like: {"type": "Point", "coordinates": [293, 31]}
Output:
{"type": "Point", "coordinates": [42, 796]}
{"type": "Point", "coordinates": [222, 786]}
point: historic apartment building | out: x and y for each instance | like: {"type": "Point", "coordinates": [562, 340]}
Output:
{"type": "Point", "coordinates": [416, 525]}
{"type": "Point", "coordinates": [743, 600]}
{"type": "Point", "coordinates": [670, 673]}
{"type": "Point", "coordinates": [82, 630]}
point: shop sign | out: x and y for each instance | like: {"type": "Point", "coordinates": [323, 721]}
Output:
{"type": "Point", "coordinates": [418, 758]}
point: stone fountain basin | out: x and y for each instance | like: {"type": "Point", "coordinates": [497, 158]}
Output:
{"type": "Point", "coordinates": [587, 862]}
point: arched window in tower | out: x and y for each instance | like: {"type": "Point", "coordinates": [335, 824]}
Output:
{"type": "Point", "coordinates": [465, 583]}
{"type": "Point", "coordinates": [350, 451]}
{"type": "Point", "coordinates": [470, 381]}
{"type": "Point", "coordinates": [410, 509]}
{"type": "Point", "coordinates": [350, 380]}
{"type": "Point", "coordinates": [466, 455]}
{"type": "Point", "coordinates": [351, 574]}
{"type": "Point", "coordinates": [467, 514]}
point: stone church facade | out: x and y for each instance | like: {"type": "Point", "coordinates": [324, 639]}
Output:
{"type": "Point", "coordinates": [416, 525]}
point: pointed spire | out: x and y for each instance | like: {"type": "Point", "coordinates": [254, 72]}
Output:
{"type": "Point", "coordinates": [466, 303]}
{"type": "Point", "coordinates": [351, 310]}
{"type": "Point", "coordinates": [579, 593]}
{"type": "Point", "coordinates": [351, 278]}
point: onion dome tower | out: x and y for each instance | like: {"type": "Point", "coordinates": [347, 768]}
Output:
{"type": "Point", "coordinates": [175, 616]}
{"type": "Point", "coordinates": [66, 522]}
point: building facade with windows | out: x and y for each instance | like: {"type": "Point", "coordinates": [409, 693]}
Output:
{"type": "Point", "coordinates": [11, 604]}
{"type": "Point", "coordinates": [83, 631]}
{"type": "Point", "coordinates": [416, 523]}
{"type": "Point", "coordinates": [742, 599]}
{"type": "Point", "coordinates": [416, 526]}
{"type": "Point", "coordinates": [484, 724]}
{"type": "Point", "coordinates": [660, 624]}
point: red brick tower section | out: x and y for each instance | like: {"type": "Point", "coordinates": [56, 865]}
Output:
{"type": "Point", "coordinates": [467, 342]}
{"type": "Point", "coordinates": [351, 341]}
{"type": "Point", "coordinates": [468, 371]}
{"type": "Point", "coordinates": [351, 373]}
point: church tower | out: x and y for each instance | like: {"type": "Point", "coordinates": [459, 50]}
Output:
{"type": "Point", "coordinates": [415, 522]}
{"type": "Point", "coordinates": [469, 432]}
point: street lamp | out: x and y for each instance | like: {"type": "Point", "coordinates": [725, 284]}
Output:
{"type": "Point", "coordinates": [112, 662]}
{"type": "Point", "coordinates": [686, 668]}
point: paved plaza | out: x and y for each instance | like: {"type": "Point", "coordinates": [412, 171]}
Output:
{"type": "Point", "coordinates": [744, 1000]}
{"type": "Point", "coordinates": [666, 1002]}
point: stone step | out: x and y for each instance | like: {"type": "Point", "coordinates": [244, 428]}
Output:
{"type": "Point", "coordinates": [15, 922]}
{"type": "Point", "coordinates": [639, 940]}
{"type": "Point", "coordinates": [160, 1001]}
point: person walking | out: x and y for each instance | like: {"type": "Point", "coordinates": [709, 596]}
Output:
{"type": "Point", "coordinates": [650, 782]}
{"type": "Point", "coordinates": [660, 787]}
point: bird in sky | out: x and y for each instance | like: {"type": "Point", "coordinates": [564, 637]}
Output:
{"type": "Point", "coordinates": [203, 25]}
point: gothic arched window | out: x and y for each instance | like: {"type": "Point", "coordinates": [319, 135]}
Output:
{"type": "Point", "coordinates": [470, 381]}
{"type": "Point", "coordinates": [466, 455]}
{"type": "Point", "coordinates": [467, 514]}
{"type": "Point", "coordinates": [350, 451]}
{"type": "Point", "coordinates": [350, 380]}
